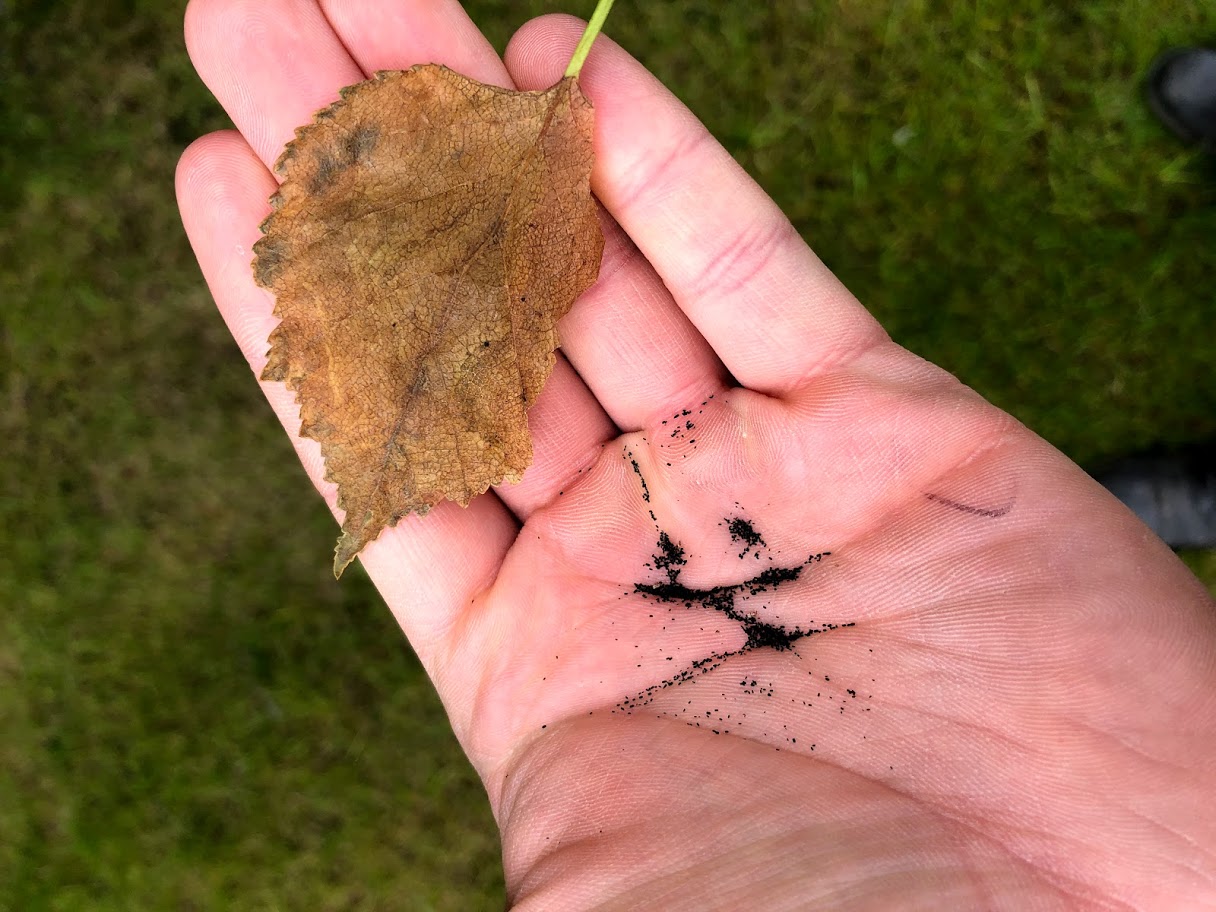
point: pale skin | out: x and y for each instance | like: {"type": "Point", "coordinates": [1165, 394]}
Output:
{"type": "Point", "coordinates": [1023, 713]}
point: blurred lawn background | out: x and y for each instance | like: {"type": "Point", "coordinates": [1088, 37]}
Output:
{"type": "Point", "coordinates": [193, 714]}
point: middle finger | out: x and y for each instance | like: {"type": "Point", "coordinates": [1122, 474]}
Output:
{"type": "Point", "coordinates": [629, 341]}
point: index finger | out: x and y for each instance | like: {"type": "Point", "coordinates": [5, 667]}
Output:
{"type": "Point", "coordinates": [772, 311]}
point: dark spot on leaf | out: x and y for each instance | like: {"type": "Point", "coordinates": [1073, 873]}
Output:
{"type": "Point", "coordinates": [270, 255]}
{"type": "Point", "coordinates": [325, 172]}
{"type": "Point", "coordinates": [360, 143]}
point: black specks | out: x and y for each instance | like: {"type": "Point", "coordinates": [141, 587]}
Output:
{"type": "Point", "coordinates": [638, 471]}
{"type": "Point", "coordinates": [772, 577]}
{"type": "Point", "coordinates": [670, 558]}
{"type": "Point", "coordinates": [760, 635]}
{"type": "Point", "coordinates": [736, 603]}
{"type": "Point", "coordinates": [680, 424]}
{"type": "Point", "coordinates": [742, 532]}
{"type": "Point", "coordinates": [485, 343]}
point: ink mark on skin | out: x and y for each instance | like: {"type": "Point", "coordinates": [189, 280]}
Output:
{"type": "Point", "coordinates": [970, 510]}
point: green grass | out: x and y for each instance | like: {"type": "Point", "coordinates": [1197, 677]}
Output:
{"type": "Point", "coordinates": [193, 715]}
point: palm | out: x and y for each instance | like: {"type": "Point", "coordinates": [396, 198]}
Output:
{"type": "Point", "coordinates": [996, 690]}
{"type": "Point", "coordinates": [985, 703]}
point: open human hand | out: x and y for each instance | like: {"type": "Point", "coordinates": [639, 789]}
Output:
{"type": "Point", "coordinates": [781, 616]}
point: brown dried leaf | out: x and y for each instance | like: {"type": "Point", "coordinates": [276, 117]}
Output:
{"type": "Point", "coordinates": [429, 233]}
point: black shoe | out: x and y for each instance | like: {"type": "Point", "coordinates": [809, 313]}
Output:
{"type": "Point", "coordinates": [1174, 494]}
{"type": "Point", "coordinates": [1181, 90]}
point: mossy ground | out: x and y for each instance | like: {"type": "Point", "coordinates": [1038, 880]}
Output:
{"type": "Point", "coordinates": [193, 715]}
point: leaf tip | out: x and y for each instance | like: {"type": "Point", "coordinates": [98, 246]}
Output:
{"type": "Point", "coordinates": [344, 553]}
